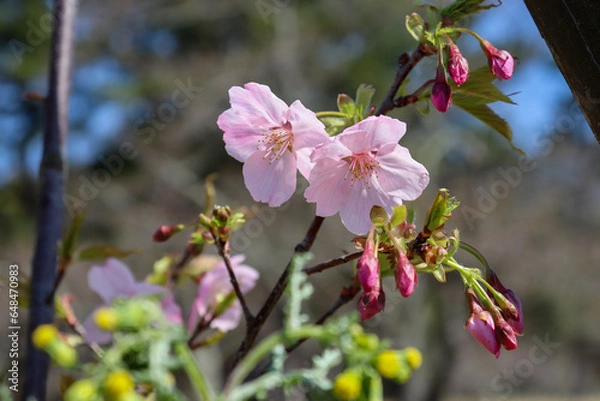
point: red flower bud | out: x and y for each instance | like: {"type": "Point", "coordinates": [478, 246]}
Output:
{"type": "Point", "coordinates": [458, 66]}
{"type": "Point", "coordinates": [505, 334]}
{"type": "Point", "coordinates": [165, 232]}
{"type": "Point", "coordinates": [371, 303]}
{"type": "Point", "coordinates": [513, 312]}
{"type": "Point", "coordinates": [406, 275]}
{"type": "Point", "coordinates": [501, 62]}
{"type": "Point", "coordinates": [441, 93]}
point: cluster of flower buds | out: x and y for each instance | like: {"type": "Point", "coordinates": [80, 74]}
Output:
{"type": "Point", "coordinates": [220, 225]}
{"type": "Point", "coordinates": [501, 64]}
{"type": "Point", "coordinates": [496, 316]}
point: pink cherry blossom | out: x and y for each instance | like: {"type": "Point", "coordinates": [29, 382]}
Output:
{"type": "Point", "coordinates": [363, 167]}
{"type": "Point", "coordinates": [406, 275]}
{"type": "Point", "coordinates": [114, 280]}
{"type": "Point", "coordinates": [214, 287]}
{"type": "Point", "coordinates": [271, 139]}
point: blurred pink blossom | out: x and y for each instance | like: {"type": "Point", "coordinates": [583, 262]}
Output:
{"type": "Point", "coordinates": [114, 280]}
{"type": "Point", "coordinates": [214, 288]}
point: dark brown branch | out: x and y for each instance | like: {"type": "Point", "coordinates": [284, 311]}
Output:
{"type": "Point", "coordinates": [50, 208]}
{"type": "Point", "coordinates": [260, 319]}
{"type": "Point", "coordinates": [332, 263]}
{"type": "Point", "coordinates": [406, 62]}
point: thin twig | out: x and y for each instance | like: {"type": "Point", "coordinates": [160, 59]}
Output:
{"type": "Point", "coordinates": [332, 263]}
{"type": "Point", "coordinates": [175, 271]}
{"type": "Point", "coordinates": [261, 317]}
{"type": "Point", "coordinates": [234, 282]}
{"type": "Point", "coordinates": [51, 192]}
{"type": "Point", "coordinates": [406, 62]}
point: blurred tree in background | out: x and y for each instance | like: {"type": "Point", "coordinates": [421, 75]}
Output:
{"type": "Point", "coordinates": [150, 80]}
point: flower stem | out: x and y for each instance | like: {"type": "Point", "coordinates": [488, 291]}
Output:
{"type": "Point", "coordinates": [194, 373]}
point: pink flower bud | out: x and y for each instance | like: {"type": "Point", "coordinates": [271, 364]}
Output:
{"type": "Point", "coordinates": [441, 93]}
{"type": "Point", "coordinates": [165, 232]}
{"type": "Point", "coordinates": [371, 303]}
{"type": "Point", "coordinates": [406, 275]}
{"type": "Point", "coordinates": [505, 334]}
{"type": "Point", "coordinates": [367, 269]}
{"type": "Point", "coordinates": [481, 327]}
{"type": "Point", "coordinates": [501, 62]}
{"type": "Point", "coordinates": [458, 66]}
{"type": "Point", "coordinates": [516, 324]}
{"type": "Point", "coordinates": [512, 312]}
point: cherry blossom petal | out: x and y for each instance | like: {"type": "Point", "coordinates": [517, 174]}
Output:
{"type": "Point", "coordinates": [241, 138]}
{"type": "Point", "coordinates": [303, 162]}
{"type": "Point", "coordinates": [270, 182]}
{"type": "Point", "coordinates": [382, 130]}
{"type": "Point", "coordinates": [258, 105]}
{"type": "Point", "coordinates": [308, 131]}
{"type": "Point", "coordinates": [356, 213]}
{"type": "Point", "coordinates": [328, 187]}
{"type": "Point", "coordinates": [400, 175]}
{"type": "Point", "coordinates": [229, 319]}
{"type": "Point", "coordinates": [111, 280]}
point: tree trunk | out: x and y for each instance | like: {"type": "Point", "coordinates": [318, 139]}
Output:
{"type": "Point", "coordinates": [571, 29]}
{"type": "Point", "coordinates": [51, 191]}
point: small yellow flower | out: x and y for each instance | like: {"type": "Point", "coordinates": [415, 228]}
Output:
{"type": "Point", "coordinates": [413, 357]}
{"type": "Point", "coordinates": [62, 354]}
{"type": "Point", "coordinates": [388, 364]}
{"type": "Point", "coordinates": [118, 383]}
{"type": "Point", "coordinates": [106, 319]}
{"type": "Point", "coordinates": [44, 335]}
{"type": "Point", "coordinates": [81, 390]}
{"type": "Point", "coordinates": [347, 386]}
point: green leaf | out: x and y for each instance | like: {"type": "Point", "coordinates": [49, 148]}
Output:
{"type": "Point", "coordinates": [67, 246]}
{"type": "Point", "coordinates": [364, 96]}
{"type": "Point", "coordinates": [346, 105]}
{"type": "Point", "coordinates": [416, 27]}
{"type": "Point", "coordinates": [462, 8]}
{"type": "Point", "coordinates": [398, 215]}
{"type": "Point", "coordinates": [423, 108]}
{"type": "Point", "coordinates": [491, 119]}
{"type": "Point", "coordinates": [479, 89]}
{"type": "Point", "coordinates": [335, 125]}
{"type": "Point", "coordinates": [103, 252]}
